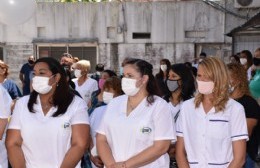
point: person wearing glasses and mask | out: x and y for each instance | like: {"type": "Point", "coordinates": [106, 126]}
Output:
{"type": "Point", "coordinates": [137, 128]}
{"type": "Point", "coordinates": [49, 127]}
{"type": "Point", "coordinates": [211, 128]}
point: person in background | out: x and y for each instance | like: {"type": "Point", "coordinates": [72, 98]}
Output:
{"type": "Point", "coordinates": [96, 97]}
{"type": "Point", "coordinates": [5, 113]}
{"type": "Point", "coordinates": [66, 61]}
{"type": "Point", "coordinates": [234, 59]}
{"type": "Point", "coordinates": [26, 75]}
{"type": "Point", "coordinates": [137, 128]}
{"type": "Point", "coordinates": [8, 84]}
{"type": "Point", "coordinates": [181, 85]}
{"type": "Point", "coordinates": [201, 57]}
{"type": "Point", "coordinates": [99, 69]}
{"type": "Point", "coordinates": [239, 91]}
{"type": "Point", "coordinates": [254, 84]}
{"type": "Point", "coordinates": [49, 128]}
{"type": "Point", "coordinates": [162, 76]}
{"type": "Point", "coordinates": [111, 89]}
{"type": "Point", "coordinates": [246, 59]}
{"type": "Point", "coordinates": [84, 84]}
{"type": "Point", "coordinates": [201, 141]}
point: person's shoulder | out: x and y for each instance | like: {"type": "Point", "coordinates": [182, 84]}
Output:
{"type": "Point", "coordinates": [23, 100]}
{"type": "Point", "coordinates": [188, 102]}
{"type": "Point", "coordinates": [233, 105]}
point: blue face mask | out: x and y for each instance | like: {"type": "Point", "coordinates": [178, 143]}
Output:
{"type": "Point", "coordinates": [172, 85]}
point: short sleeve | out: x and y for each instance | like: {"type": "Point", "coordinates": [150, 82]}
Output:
{"type": "Point", "coordinates": [238, 123]}
{"type": "Point", "coordinates": [80, 115]}
{"type": "Point", "coordinates": [102, 126]}
{"type": "Point", "coordinates": [23, 69]}
{"type": "Point", "coordinates": [252, 109]}
{"type": "Point", "coordinates": [15, 122]}
{"type": "Point", "coordinates": [5, 103]}
{"type": "Point", "coordinates": [163, 122]}
{"type": "Point", "coordinates": [179, 124]}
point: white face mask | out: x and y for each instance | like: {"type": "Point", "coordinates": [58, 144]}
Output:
{"type": "Point", "coordinates": [243, 61]}
{"type": "Point", "coordinates": [107, 97]}
{"type": "Point", "coordinates": [205, 88]}
{"type": "Point", "coordinates": [164, 67]}
{"type": "Point", "coordinates": [77, 73]}
{"type": "Point", "coordinates": [129, 86]}
{"type": "Point", "coordinates": [41, 84]}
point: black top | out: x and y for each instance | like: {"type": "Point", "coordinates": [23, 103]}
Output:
{"type": "Point", "coordinates": [252, 110]}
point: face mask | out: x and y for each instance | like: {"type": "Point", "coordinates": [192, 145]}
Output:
{"type": "Point", "coordinates": [30, 61]}
{"type": "Point", "coordinates": [163, 68]}
{"type": "Point", "coordinates": [107, 96]}
{"type": "Point", "coordinates": [41, 84]}
{"type": "Point", "coordinates": [129, 86]}
{"type": "Point", "coordinates": [77, 73]}
{"type": "Point", "coordinates": [98, 73]}
{"type": "Point", "coordinates": [205, 87]}
{"type": "Point", "coordinates": [101, 83]}
{"type": "Point", "coordinates": [172, 85]}
{"type": "Point", "coordinates": [256, 61]}
{"type": "Point", "coordinates": [243, 61]}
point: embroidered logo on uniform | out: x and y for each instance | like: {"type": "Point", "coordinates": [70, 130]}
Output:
{"type": "Point", "coordinates": [146, 130]}
{"type": "Point", "coordinates": [66, 125]}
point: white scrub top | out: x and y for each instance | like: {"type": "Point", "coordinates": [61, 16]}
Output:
{"type": "Point", "coordinates": [86, 89]}
{"type": "Point", "coordinates": [208, 136]}
{"type": "Point", "coordinates": [175, 109]}
{"type": "Point", "coordinates": [129, 135]}
{"type": "Point", "coordinates": [47, 139]}
{"type": "Point", "coordinates": [5, 113]}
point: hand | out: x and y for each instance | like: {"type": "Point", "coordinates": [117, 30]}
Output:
{"type": "Point", "coordinates": [97, 161]}
{"type": "Point", "coordinates": [118, 165]}
{"type": "Point", "coordinates": [171, 151]}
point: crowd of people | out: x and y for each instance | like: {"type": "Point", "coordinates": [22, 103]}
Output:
{"type": "Point", "coordinates": [198, 115]}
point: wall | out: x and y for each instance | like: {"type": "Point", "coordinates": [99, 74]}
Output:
{"type": "Point", "coordinates": [175, 27]}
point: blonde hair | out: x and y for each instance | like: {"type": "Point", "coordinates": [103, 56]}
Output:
{"type": "Point", "coordinates": [239, 73]}
{"type": "Point", "coordinates": [216, 70]}
{"type": "Point", "coordinates": [83, 64]}
{"type": "Point", "coordinates": [5, 67]}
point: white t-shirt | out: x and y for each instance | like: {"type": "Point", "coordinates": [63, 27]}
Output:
{"type": "Point", "coordinates": [208, 136]}
{"type": "Point", "coordinates": [47, 139]}
{"type": "Point", "coordinates": [129, 135]}
{"type": "Point", "coordinates": [5, 113]}
{"type": "Point", "coordinates": [86, 89]}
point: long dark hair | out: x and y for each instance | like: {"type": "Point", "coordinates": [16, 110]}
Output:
{"type": "Point", "coordinates": [188, 81]}
{"type": "Point", "coordinates": [146, 68]}
{"type": "Point", "coordinates": [62, 96]}
{"type": "Point", "coordinates": [159, 75]}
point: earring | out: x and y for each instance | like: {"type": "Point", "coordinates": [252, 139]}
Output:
{"type": "Point", "coordinates": [57, 84]}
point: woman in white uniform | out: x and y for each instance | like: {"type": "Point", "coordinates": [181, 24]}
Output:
{"type": "Point", "coordinates": [5, 113]}
{"type": "Point", "coordinates": [84, 84]}
{"type": "Point", "coordinates": [111, 89]}
{"type": "Point", "coordinates": [211, 128]}
{"type": "Point", "coordinates": [181, 85]}
{"type": "Point", "coordinates": [49, 128]}
{"type": "Point", "coordinates": [137, 128]}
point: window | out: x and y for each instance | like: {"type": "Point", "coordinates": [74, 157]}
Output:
{"type": "Point", "coordinates": [141, 35]}
{"type": "Point", "coordinates": [1, 53]}
{"type": "Point", "coordinates": [85, 52]}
